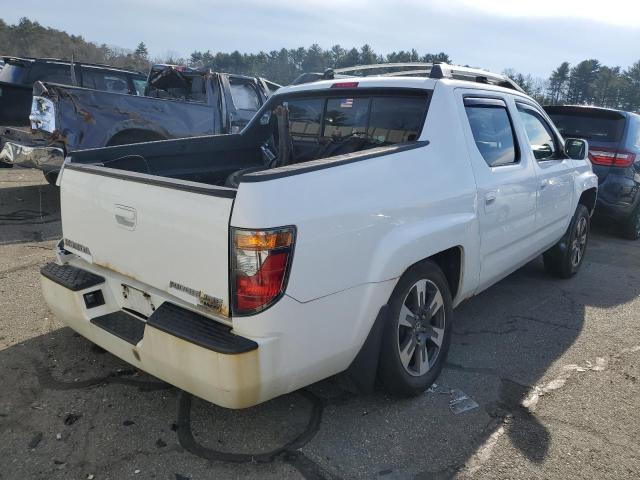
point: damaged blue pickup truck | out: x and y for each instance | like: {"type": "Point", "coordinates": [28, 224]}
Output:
{"type": "Point", "coordinates": [177, 102]}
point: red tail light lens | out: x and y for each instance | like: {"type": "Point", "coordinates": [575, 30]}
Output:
{"type": "Point", "coordinates": [261, 260]}
{"type": "Point", "coordinates": [611, 158]}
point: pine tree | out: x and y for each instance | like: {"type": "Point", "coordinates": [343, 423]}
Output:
{"type": "Point", "coordinates": [558, 82]}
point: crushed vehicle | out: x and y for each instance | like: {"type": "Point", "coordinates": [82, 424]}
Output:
{"type": "Point", "coordinates": [178, 102]}
{"type": "Point", "coordinates": [336, 232]}
{"type": "Point", "coordinates": [614, 151]}
{"type": "Point", "coordinates": [16, 85]}
{"type": "Point", "coordinates": [20, 73]}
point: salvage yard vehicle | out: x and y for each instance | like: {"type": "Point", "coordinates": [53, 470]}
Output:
{"type": "Point", "coordinates": [20, 73]}
{"type": "Point", "coordinates": [614, 151]}
{"type": "Point", "coordinates": [177, 102]}
{"type": "Point", "coordinates": [16, 85]}
{"type": "Point", "coordinates": [336, 232]}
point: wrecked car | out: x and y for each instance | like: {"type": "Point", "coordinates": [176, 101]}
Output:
{"type": "Point", "coordinates": [178, 102]}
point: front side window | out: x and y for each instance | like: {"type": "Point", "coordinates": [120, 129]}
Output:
{"type": "Point", "coordinates": [492, 130]}
{"type": "Point", "coordinates": [539, 133]}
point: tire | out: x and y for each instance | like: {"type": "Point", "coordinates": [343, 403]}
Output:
{"type": "Point", "coordinates": [631, 228]}
{"type": "Point", "coordinates": [51, 177]}
{"type": "Point", "coordinates": [403, 370]}
{"type": "Point", "coordinates": [564, 259]}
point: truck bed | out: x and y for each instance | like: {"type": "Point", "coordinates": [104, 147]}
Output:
{"type": "Point", "coordinates": [208, 159]}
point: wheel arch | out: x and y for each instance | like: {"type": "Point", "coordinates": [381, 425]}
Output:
{"type": "Point", "coordinates": [363, 370]}
{"type": "Point", "coordinates": [588, 199]}
{"type": "Point", "coordinates": [134, 135]}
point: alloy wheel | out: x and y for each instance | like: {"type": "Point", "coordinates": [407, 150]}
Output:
{"type": "Point", "coordinates": [579, 243]}
{"type": "Point", "coordinates": [421, 327]}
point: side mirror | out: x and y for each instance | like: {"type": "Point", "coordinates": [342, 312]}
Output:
{"type": "Point", "coordinates": [576, 148]}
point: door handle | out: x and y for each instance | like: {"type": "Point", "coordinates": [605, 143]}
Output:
{"type": "Point", "coordinates": [490, 197]}
{"type": "Point", "coordinates": [126, 217]}
{"type": "Point", "coordinates": [543, 184]}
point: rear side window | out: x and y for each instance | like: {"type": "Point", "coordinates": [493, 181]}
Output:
{"type": "Point", "coordinates": [591, 126]}
{"type": "Point", "coordinates": [492, 130]}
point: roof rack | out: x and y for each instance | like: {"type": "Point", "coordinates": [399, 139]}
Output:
{"type": "Point", "coordinates": [434, 70]}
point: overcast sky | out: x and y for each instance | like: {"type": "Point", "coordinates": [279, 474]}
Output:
{"type": "Point", "coordinates": [532, 36]}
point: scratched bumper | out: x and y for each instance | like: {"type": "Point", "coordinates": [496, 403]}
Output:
{"type": "Point", "coordinates": [235, 380]}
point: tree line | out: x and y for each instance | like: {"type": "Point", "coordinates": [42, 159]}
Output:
{"type": "Point", "coordinates": [587, 82]}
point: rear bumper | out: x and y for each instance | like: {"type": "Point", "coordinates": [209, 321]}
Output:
{"type": "Point", "coordinates": [43, 158]}
{"type": "Point", "coordinates": [618, 197]}
{"type": "Point", "coordinates": [204, 358]}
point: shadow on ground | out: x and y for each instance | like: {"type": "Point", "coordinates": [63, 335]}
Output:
{"type": "Point", "coordinates": [29, 213]}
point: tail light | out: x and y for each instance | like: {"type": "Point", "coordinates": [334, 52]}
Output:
{"type": "Point", "coordinates": [260, 264]}
{"type": "Point", "coordinates": [345, 85]}
{"type": "Point", "coordinates": [611, 158]}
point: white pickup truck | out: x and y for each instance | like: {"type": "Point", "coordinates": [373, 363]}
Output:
{"type": "Point", "coordinates": [336, 232]}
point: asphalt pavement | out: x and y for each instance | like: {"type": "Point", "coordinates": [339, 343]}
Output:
{"type": "Point", "coordinates": [547, 369]}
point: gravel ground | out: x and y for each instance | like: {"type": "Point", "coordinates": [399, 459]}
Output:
{"type": "Point", "coordinates": [552, 365]}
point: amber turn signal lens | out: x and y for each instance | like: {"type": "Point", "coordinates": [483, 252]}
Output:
{"type": "Point", "coordinates": [251, 240]}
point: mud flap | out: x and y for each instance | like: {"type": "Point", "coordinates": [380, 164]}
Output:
{"type": "Point", "coordinates": [364, 368]}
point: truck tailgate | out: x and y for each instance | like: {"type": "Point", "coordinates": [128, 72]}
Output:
{"type": "Point", "coordinates": [170, 234]}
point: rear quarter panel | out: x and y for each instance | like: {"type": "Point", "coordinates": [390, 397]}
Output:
{"type": "Point", "coordinates": [368, 221]}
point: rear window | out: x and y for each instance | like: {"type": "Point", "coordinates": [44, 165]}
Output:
{"type": "Point", "coordinates": [325, 127]}
{"type": "Point", "coordinates": [12, 73]}
{"type": "Point", "coordinates": [602, 128]}
{"type": "Point", "coordinates": [105, 80]}
{"type": "Point", "coordinates": [244, 95]}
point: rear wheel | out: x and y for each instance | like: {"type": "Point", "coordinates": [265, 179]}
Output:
{"type": "Point", "coordinates": [563, 260]}
{"type": "Point", "coordinates": [631, 228]}
{"type": "Point", "coordinates": [418, 333]}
